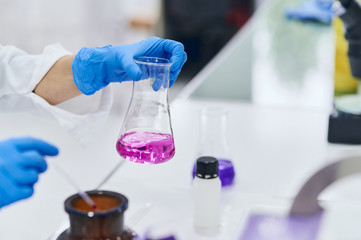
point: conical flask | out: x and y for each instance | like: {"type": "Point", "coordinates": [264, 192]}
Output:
{"type": "Point", "coordinates": [146, 135]}
{"type": "Point", "coordinates": [213, 142]}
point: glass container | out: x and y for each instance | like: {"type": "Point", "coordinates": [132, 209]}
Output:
{"type": "Point", "coordinates": [146, 135]}
{"type": "Point", "coordinates": [104, 223]}
{"type": "Point", "coordinates": [213, 142]}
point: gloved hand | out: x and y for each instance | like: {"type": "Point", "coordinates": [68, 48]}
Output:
{"type": "Point", "coordinates": [312, 10]}
{"type": "Point", "coordinates": [95, 68]}
{"type": "Point", "coordinates": [21, 161]}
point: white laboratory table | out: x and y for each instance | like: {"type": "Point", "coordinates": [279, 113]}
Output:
{"type": "Point", "coordinates": [274, 151]}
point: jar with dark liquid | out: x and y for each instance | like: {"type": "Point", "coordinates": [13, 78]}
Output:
{"type": "Point", "coordinates": [106, 222]}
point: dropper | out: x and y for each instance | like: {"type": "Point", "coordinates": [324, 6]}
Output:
{"type": "Point", "coordinates": [81, 193]}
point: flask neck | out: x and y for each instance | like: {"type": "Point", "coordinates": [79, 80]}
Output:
{"type": "Point", "coordinates": [213, 128]}
{"type": "Point", "coordinates": [143, 91]}
{"type": "Point", "coordinates": [154, 81]}
{"type": "Point", "coordinates": [213, 140]}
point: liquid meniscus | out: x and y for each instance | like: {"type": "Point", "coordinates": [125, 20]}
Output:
{"type": "Point", "coordinates": [102, 203]}
{"type": "Point", "coordinates": [146, 147]}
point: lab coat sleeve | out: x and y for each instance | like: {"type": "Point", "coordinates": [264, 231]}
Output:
{"type": "Point", "coordinates": [20, 72]}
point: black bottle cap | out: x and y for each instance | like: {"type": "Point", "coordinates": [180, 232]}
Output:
{"type": "Point", "coordinates": [207, 167]}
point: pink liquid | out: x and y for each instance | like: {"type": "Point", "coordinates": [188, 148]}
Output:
{"type": "Point", "coordinates": [146, 147]}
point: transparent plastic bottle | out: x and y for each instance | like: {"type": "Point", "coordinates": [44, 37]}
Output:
{"type": "Point", "coordinates": [146, 135]}
{"type": "Point", "coordinates": [207, 193]}
{"type": "Point", "coordinates": [213, 142]}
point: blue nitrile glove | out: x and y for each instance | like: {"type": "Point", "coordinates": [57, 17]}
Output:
{"type": "Point", "coordinates": [21, 161]}
{"type": "Point", "coordinates": [95, 68]}
{"type": "Point", "coordinates": [312, 10]}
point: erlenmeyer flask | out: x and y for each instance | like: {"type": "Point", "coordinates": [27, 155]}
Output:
{"type": "Point", "coordinates": [213, 142]}
{"type": "Point", "coordinates": [146, 135]}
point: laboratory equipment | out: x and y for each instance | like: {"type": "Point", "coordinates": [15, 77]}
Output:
{"type": "Point", "coordinates": [213, 142]}
{"type": "Point", "coordinates": [146, 135]}
{"type": "Point", "coordinates": [207, 193]}
{"type": "Point", "coordinates": [345, 119]}
{"type": "Point", "coordinates": [107, 222]}
{"type": "Point", "coordinates": [152, 236]}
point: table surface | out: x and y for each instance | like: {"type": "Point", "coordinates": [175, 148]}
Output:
{"type": "Point", "coordinates": [274, 151]}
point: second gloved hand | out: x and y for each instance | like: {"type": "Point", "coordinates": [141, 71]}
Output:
{"type": "Point", "coordinates": [21, 161]}
{"type": "Point", "coordinates": [312, 10]}
{"type": "Point", "coordinates": [95, 68]}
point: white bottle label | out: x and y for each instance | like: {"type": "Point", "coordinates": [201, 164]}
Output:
{"type": "Point", "coordinates": [206, 202]}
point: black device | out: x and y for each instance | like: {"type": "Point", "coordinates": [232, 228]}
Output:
{"type": "Point", "coordinates": [346, 127]}
{"type": "Point", "coordinates": [204, 27]}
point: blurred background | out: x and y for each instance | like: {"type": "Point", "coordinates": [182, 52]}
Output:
{"type": "Point", "coordinates": [203, 26]}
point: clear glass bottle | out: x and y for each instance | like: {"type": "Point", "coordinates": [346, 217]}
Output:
{"type": "Point", "coordinates": [213, 142]}
{"type": "Point", "coordinates": [104, 223]}
{"type": "Point", "coordinates": [146, 135]}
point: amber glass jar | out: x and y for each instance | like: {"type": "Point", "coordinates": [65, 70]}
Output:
{"type": "Point", "coordinates": [104, 223]}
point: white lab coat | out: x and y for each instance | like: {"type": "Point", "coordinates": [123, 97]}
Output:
{"type": "Point", "coordinates": [20, 72]}
{"type": "Point", "coordinates": [87, 154]}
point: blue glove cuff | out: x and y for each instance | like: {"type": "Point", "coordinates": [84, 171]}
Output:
{"type": "Point", "coordinates": [87, 67]}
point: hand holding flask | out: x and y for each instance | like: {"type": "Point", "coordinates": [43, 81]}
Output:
{"type": "Point", "coordinates": [146, 135]}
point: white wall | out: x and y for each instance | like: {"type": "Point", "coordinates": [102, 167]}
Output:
{"type": "Point", "coordinates": [32, 24]}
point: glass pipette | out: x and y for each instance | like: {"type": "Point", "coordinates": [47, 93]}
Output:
{"type": "Point", "coordinates": [81, 193]}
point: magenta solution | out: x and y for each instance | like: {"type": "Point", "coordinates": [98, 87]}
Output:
{"type": "Point", "coordinates": [146, 147]}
